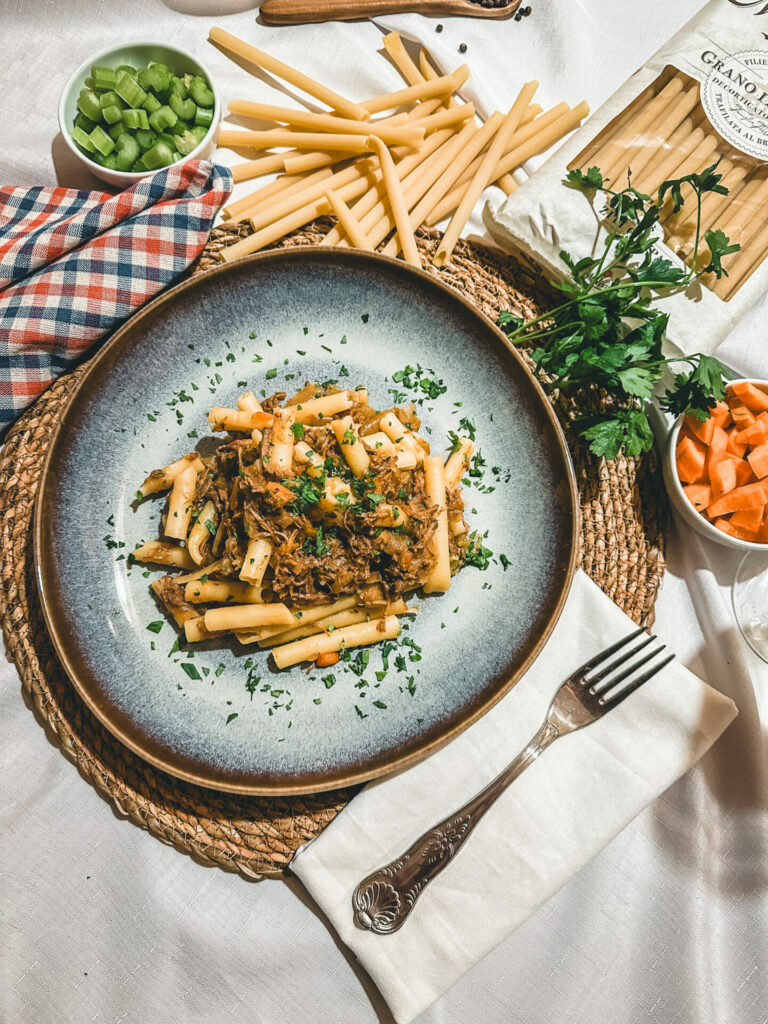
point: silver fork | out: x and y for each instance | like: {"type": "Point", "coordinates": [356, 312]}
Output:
{"type": "Point", "coordinates": [383, 900]}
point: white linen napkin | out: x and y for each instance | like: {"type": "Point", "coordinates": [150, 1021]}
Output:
{"type": "Point", "coordinates": [553, 819]}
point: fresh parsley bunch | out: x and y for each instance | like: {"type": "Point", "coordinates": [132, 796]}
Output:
{"type": "Point", "coordinates": [608, 332]}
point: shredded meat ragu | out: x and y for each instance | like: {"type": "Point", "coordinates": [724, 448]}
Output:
{"type": "Point", "coordinates": [355, 549]}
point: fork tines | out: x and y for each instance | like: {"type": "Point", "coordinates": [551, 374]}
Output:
{"type": "Point", "coordinates": [605, 684]}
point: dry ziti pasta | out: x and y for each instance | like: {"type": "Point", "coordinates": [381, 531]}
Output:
{"type": "Point", "coordinates": [390, 174]}
{"type": "Point", "coordinates": [310, 525]}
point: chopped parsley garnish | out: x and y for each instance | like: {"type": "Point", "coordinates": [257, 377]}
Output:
{"type": "Point", "coordinates": [317, 546]}
{"type": "Point", "coordinates": [297, 429]}
{"type": "Point", "coordinates": [191, 670]}
{"type": "Point", "coordinates": [271, 374]}
{"type": "Point", "coordinates": [232, 717]}
{"type": "Point", "coordinates": [477, 554]}
{"type": "Point", "coordinates": [155, 627]}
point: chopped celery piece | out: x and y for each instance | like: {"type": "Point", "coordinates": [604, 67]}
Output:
{"type": "Point", "coordinates": [200, 93]}
{"type": "Point", "coordinates": [135, 119]}
{"type": "Point", "coordinates": [179, 87]}
{"type": "Point", "coordinates": [129, 89]}
{"type": "Point", "coordinates": [110, 162]}
{"type": "Point", "coordinates": [151, 103]}
{"type": "Point", "coordinates": [103, 78]}
{"type": "Point", "coordinates": [88, 104]}
{"type": "Point", "coordinates": [116, 130]}
{"type": "Point", "coordinates": [185, 109]}
{"type": "Point", "coordinates": [168, 140]}
{"type": "Point", "coordinates": [186, 143]}
{"type": "Point", "coordinates": [127, 151]}
{"type": "Point", "coordinates": [88, 83]}
{"type": "Point", "coordinates": [102, 141]}
{"type": "Point", "coordinates": [110, 99]}
{"type": "Point", "coordinates": [81, 121]}
{"type": "Point", "coordinates": [156, 77]}
{"type": "Point", "coordinates": [162, 119]}
{"type": "Point", "coordinates": [158, 156]}
{"type": "Point", "coordinates": [146, 139]}
{"type": "Point", "coordinates": [127, 68]}
{"type": "Point", "coordinates": [179, 128]}
{"type": "Point", "coordinates": [83, 140]}
{"type": "Point", "coordinates": [112, 115]}
{"type": "Point", "coordinates": [204, 117]}
{"type": "Point", "coordinates": [199, 132]}
{"type": "Point", "coordinates": [137, 167]}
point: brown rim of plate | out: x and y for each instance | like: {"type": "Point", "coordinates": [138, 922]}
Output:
{"type": "Point", "coordinates": [48, 590]}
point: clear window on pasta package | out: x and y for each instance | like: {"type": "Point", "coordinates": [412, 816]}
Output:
{"type": "Point", "coordinates": [665, 133]}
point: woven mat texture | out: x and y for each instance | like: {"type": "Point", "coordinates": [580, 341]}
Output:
{"type": "Point", "coordinates": [622, 545]}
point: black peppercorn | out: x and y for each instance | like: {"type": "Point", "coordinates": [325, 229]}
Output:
{"type": "Point", "coordinates": [462, 47]}
{"type": "Point", "coordinates": [438, 28]}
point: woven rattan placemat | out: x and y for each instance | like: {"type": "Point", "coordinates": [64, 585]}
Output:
{"type": "Point", "coordinates": [621, 549]}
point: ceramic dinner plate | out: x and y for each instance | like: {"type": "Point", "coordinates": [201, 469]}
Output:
{"type": "Point", "coordinates": [223, 717]}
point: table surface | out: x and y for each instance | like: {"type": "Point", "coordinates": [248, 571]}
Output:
{"type": "Point", "coordinates": [103, 923]}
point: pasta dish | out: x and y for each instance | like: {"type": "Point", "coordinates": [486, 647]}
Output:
{"type": "Point", "coordinates": [310, 526]}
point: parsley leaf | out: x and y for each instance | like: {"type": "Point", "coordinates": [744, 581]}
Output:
{"type": "Point", "coordinates": [608, 333]}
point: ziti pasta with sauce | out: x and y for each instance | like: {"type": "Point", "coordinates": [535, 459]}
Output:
{"type": "Point", "coordinates": [306, 531]}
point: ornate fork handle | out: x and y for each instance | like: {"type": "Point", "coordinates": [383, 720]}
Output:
{"type": "Point", "coordinates": [384, 899]}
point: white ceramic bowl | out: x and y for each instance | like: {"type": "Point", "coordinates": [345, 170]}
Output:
{"type": "Point", "coordinates": [137, 53]}
{"type": "Point", "coordinates": [681, 503]}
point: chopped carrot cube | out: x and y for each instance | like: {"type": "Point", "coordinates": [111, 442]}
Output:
{"type": "Point", "coordinates": [734, 531]}
{"type": "Point", "coordinates": [757, 432]}
{"type": "Point", "coordinates": [742, 416]}
{"type": "Point", "coordinates": [758, 460]}
{"type": "Point", "coordinates": [700, 428]}
{"type": "Point", "coordinates": [735, 446]}
{"type": "Point", "coordinates": [744, 474]}
{"type": "Point", "coordinates": [748, 519]}
{"type": "Point", "coordinates": [717, 448]}
{"type": "Point", "coordinates": [762, 532]}
{"type": "Point", "coordinates": [699, 495]}
{"type": "Point", "coordinates": [755, 399]}
{"type": "Point", "coordinates": [691, 461]}
{"type": "Point", "coordinates": [722, 477]}
{"type": "Point", "coordinates": [747, 496]}
{"type": "Point", "coordinates": [721, 414]}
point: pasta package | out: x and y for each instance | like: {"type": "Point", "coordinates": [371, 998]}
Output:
{"type": "Point", "coordinates": [702, 98]}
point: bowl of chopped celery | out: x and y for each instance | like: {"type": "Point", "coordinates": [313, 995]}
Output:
{"type": "Point", "coordinates": [134, 109]}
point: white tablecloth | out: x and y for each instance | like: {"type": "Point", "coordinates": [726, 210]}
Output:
{"type": "Point", "coordinates": [103, 923]}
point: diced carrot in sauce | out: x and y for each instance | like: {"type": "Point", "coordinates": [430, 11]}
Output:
{"type": "Point", "coordinates": [699, 495]}
{"type": "Point", "coordinates": [740, 498]}
{"type": "Point", "coordinates": [753, 397]}
{"type": "Point", "coordinates": [757, 432]}
{"type": "Point", "coordinates": [701, 428]}
{"type": "Point", "coordinates": [691, 461]}
{"type": "Point", "coordinates": [758, 460]}
{"type": "Point", "coordinates": [749, 519]}
{"type": "Point", "coordinates": [727, 526]}
{"type": "Point", "coordinates": [742, 416]}
{"type": "Point", "coordinates": [721, 414]}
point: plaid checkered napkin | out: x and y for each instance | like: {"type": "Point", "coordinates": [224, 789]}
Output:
{"type": "Point", "coordinates": [75, 265]}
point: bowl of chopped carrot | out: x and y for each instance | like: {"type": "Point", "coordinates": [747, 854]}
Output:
{"type": "Point", "coordinates": [716, 471]}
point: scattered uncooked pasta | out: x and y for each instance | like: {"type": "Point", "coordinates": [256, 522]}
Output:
{"type": "Point", "coordinates": [383, 178]}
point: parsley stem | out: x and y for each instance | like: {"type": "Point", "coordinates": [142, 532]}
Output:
{"type": "Point", "coordinates": [519, 333]}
